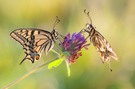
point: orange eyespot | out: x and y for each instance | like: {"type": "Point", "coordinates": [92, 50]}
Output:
{"type": "Point", "coordinates": [37, 57]}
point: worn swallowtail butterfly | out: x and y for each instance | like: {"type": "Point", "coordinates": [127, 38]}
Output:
{"type": "Point", "coordinates": [99, 42]}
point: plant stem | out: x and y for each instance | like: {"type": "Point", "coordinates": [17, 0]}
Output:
{"type": "Point", "coordinates": [27, 74]}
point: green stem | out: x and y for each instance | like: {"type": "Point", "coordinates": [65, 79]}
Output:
{"type": "Point", "coordinates": [27, 74]}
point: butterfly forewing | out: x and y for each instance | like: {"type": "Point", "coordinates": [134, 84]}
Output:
{"type": "Point", "coordinates": [103, 47]}
{"type": "Point", "coordinates": [33, 41]}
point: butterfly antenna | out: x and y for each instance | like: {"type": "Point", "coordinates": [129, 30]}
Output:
{"type": "Point", "coordinates": [56, 21]}
{"type": "Point", "coordinates": [88, 15]}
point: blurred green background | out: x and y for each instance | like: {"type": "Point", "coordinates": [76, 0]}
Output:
{"type": "Point", "coordinates": [114, 19]}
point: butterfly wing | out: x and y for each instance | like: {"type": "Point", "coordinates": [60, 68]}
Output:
{"type": "Point", "coordinates": [103, 47]}
{"type": "Point", "coordinates": [33, 41]}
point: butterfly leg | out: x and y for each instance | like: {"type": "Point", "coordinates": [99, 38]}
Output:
{"type": "Point", "coordinates": [82, 31]}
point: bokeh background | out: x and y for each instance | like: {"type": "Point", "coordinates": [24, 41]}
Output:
{"type": "Point", "coordinates": [114, 19]}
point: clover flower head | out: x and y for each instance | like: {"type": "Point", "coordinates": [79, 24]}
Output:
{"type": "Point", "coordinates": [73, 45]}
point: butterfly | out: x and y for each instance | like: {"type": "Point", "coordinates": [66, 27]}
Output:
{"type": "Point", "coordinates": [35, 40]}
{"type": "Point", "coordinates": [99, 42]}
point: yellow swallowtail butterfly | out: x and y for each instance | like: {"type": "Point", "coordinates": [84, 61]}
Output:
{"type": "Point", "coordinates": [35, 40]}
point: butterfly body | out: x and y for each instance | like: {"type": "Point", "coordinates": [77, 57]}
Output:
{"type": "Point", "coordinates": [34, 41]}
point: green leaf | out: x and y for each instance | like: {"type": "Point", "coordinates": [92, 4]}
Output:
{"type": "Point", "coordinates": [55, 63]}
{"type": "Point", "coordinates": [68, 69]}
{"type": "Point", "coordinates": [66, 53]}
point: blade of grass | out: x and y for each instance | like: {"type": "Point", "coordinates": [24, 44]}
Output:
{"type": "Point", "coordinates": [27, 74]}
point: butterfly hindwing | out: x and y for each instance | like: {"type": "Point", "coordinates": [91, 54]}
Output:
{"type": "Point", "coordinates": [33, 41]}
